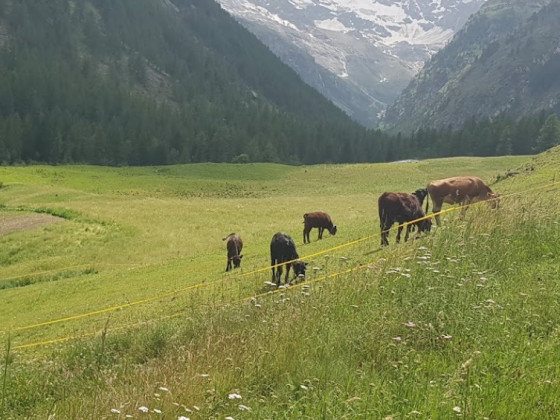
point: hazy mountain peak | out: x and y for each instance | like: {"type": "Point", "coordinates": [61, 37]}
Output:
{"type": "Point", "coordinates": [358, 53]}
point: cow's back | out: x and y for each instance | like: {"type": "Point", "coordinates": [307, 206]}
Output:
{"type": "Point", "coordinates": [457, 188]}
{"type": "Point", "coordinates": [395, 205]}
{"type": "Point", "coordinates": [317, 219]}
{"type": "Point", "coordinates": [283, 247]}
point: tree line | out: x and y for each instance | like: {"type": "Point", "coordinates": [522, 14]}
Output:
{"type": "Point", "coordinates": [137, 82]}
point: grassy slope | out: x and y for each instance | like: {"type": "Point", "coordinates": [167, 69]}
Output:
{"type": "Point", "coordinates": [482, 295]}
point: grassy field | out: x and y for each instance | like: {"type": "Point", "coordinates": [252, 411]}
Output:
{"type": "Point", "coordinates": [124, 306]}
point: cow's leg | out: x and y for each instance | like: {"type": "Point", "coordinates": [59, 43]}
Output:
{"type": "Point", "coordinates": [278, 275]}
{"type": "Point", "coordinates": [384, 226]}
{"type": "Point", "coordinates": [407, 234]}
{"type": "Point", "coordinates": [399, 231]}
{"type": "Point", "coordinates": [228, 266]}
{"type": "Point", "coordinates": [465, 205]}
{"type": "Point", "coordinates": [272, 264]}
{"type": "Point", "coordinates": [320, 234]}
{"type": "Point", "coordinates": [437, 209]}
{"type": "Point", "coordinates": [288, 266]}
{"type": "Point", "coordinates": [305, 235]}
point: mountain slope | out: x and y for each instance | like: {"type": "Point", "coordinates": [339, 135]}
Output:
{"type": "Point", "coordinates": [358, 54]}
{"type": "Point", "coordinates": [505, 60]}
{"type": "Point", "coordinates": [144, 82]}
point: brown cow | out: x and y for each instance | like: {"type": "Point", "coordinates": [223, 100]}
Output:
{"type": "Point", "coordinates": [234, 246]}
{"type": "Point", "coordinates": [400, 208]}
{"type": "Point", "coordinates": [318, 220]}
{"type": "Point", "coordinates": [464, 190]}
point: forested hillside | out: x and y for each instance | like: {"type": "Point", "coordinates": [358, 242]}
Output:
{"type": "Point", "coordinates": [156, 82]}
{"type": "Point", "coordinates": [504, 62]}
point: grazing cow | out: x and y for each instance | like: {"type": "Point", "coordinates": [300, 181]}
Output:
{"type": "Point", "coordinates": [234, 246]}
{"type": "Point", "coordinates": [318, 220]}
{"type": "Point", "coordinates": [464, 190]}
{"type": "Point", "coordinates": [282, 249]}
{"type": "Point", "coordinates": [400, 208]}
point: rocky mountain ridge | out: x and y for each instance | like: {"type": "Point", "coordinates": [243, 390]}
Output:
{"type": "Point", "coordinates": [360, 54]}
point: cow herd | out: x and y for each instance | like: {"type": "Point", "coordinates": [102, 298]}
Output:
{"type": "Point", "coordinates": [402, 208]}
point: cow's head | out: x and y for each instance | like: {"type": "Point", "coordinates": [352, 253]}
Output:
{"type": "Point", "coordinates": [493, 200]}
{"type": "Point", "coordinates": [425, 225]}
{"type": "Point", "coordinates": [332, 230]}
{"type": "Point", "coordinates": [421, 194]}
{"type": "Point", "coordinates": [299, 267]}
{"type": "Point", "coordinates": [236, 259]}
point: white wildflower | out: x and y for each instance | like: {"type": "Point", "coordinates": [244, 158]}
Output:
{"type": "Point", "coordinates": [304, 387]}
{"type": "Point", "coordinates": [244, 407]}
{"type": "Point", "coordinates": [144, 409]}
{"type": "Point", "coordinates": [183, 418]}
{"type": "Point", "coordinates": [397, 339]}
{"type": "Point", "coordinates": [457, 409]}
{"type": "Point", "coordinates": [164, 389]}
{"type": "Point", "coordinates": [410, 324]}
{"type": "Point", "coordinates": [115, 411]}
{"type": "Point", "coordinates": [157, 411]}
{"type": "Point", "coordinates": [234, 396]}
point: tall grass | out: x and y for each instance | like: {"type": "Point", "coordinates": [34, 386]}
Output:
{"type": "Point", "coordinates": [460, 323]}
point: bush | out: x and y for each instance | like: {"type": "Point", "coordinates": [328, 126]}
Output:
{"type": "Point", "coordinates": [242, 158]}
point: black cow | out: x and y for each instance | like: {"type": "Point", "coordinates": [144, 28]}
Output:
{"type": "Point", "coordinates": [400, 208]}
{"type": "Point", "coordinates": [319, 220]}
{"type": "Point", "coordinates": [283, 249]}
{"type": "Point", "coordinates": [421, 194]}
{"type": "Point", "coordinates": [234, 246]}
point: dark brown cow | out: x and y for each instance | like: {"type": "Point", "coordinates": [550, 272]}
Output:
{"type": "Point", "coordinates": [282, 249]}
{"type": "Point", "coordinates": [400, 208]}
{"type": "Point", "coordinates": [234, 246]}
{"type": "Point", "coordinates": [463, 190]}
{"type": "Point", "coordinates": [318, 220]}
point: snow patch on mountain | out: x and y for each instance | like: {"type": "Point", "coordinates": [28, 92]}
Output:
{"type": "Point", "coordinates": [389, 39]}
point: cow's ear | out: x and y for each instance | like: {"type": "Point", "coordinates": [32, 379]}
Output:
{"type": "Point", "coordinates": [241, 256]}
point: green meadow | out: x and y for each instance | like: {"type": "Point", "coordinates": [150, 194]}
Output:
{"type": "Point", "coordinates": [117, 305]}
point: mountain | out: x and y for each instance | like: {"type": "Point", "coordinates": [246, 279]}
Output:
{"type": "Point", "coordinates": [506, 60]}
{"type": "Point", "coordinates": [155, 82]}
{"type": "Point", "coordinates": [359, 54]}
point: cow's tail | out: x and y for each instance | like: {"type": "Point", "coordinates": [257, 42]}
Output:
{"type": "Point", "coordinates": [232, 233]}
{"type": "Point", "coordinates": [427, 205]}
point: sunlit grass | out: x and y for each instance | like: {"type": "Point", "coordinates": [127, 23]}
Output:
{"type": "Point", "coordinates": [463, 322]}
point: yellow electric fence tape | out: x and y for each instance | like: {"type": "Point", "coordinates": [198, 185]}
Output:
{"type": "Point", "coordinates": [245, 299]}
{"type": "Point", "coordinates": [206, 284]}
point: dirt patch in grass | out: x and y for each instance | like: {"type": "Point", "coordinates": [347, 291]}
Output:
{"type": "Point", "coordinates": [25, 222]}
